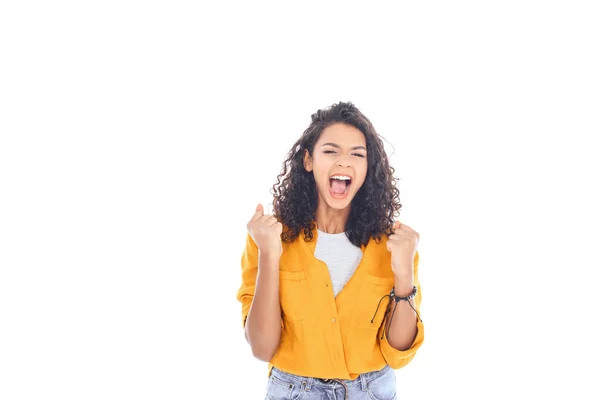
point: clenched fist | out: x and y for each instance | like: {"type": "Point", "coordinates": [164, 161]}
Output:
{"type": "Point", "coordinates": [266, 232]}
{"type": "Point", "coordinates": [403, 246]}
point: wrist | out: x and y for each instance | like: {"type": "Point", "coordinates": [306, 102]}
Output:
{"type": "Point", "coordinates": [268, 258]}
{"type": "Point", "coordinates": [403, 286]}
{"type": "Point", "coordinates": [408, 296]}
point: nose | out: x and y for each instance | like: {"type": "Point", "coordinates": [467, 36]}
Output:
{"type": "Point", "coordinates": [344, 161]}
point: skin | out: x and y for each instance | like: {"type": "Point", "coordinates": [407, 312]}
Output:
{"type": "Point", "coordinates": [341, 149]}
{"type": "Point", "coordinates": [402, 245]}
{"type": "Point", "coordinates": [263, 325]}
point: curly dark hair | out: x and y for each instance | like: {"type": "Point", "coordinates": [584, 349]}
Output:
{"type": "Point", "coordinates": [374, 206]}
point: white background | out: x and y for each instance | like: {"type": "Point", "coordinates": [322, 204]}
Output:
{"type": "Point", "coordinates": [138, 137]}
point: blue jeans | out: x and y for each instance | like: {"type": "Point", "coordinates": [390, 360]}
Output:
{"type": "Point", "coordinates": [375, 385]}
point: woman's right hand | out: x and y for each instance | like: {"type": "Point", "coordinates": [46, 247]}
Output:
{"type": "Point", "coordinates": [266, 233]}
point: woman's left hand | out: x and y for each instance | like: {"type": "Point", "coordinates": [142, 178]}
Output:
{"type": "Point", "coordinates": [403, 246]}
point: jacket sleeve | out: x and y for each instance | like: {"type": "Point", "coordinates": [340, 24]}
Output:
{"type": "Point", "coordinates": [245, 294]}
{"type": "Point", "coordinates": [399, 358]}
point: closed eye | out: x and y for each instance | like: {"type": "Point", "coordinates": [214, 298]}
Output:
{"type": "Point", "coordinates": [354, 154]}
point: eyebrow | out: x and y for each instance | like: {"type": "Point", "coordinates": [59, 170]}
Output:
{"type": "Point", "coordinates": [338, 146]}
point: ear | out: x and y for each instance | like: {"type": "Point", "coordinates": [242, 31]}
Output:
{"type": "Point", "coordinates": [307, 161]}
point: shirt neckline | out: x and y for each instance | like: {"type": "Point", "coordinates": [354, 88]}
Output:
{"type": "Point", "coordinates": [331, 234]}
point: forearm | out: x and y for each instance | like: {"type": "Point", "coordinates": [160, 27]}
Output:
{"type": "Point", "coordinates": [403, 325]}
{"type": "Point", "coordinates": [263, 324]}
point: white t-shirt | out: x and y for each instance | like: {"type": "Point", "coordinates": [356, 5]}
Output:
{"type": "Point", "coordinates": [340, 255]}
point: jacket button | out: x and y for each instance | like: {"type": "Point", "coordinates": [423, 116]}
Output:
{"type": "Point", "coordinates": [333, 320]}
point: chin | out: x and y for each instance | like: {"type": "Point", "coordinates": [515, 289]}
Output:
{"type": "Point", "coordinates": [338, 206]}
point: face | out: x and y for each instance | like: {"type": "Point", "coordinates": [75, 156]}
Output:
{"type": "Point", "coordinates": [340, 152]}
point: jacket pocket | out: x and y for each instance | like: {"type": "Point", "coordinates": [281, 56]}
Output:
{"type": "Point", "coordinates": [294, 296]}
{"type": "Point", "coordinates": [372, 302]}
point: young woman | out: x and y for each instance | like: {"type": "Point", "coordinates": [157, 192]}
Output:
{"type": "Point", "coordinates": [330, 292]}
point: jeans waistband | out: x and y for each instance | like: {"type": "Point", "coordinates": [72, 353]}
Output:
{"type": "Point", "coordinates": [362, 379]}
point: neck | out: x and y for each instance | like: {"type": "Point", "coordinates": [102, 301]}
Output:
{"type": "Point", "coordinates": [330, 220]}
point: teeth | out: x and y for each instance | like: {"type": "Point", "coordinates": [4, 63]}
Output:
{"type": "Point", "coordinates": [341, 178]}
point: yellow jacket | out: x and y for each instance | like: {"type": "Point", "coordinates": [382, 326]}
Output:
{"type": "Point", "coordinates": [325, 336]}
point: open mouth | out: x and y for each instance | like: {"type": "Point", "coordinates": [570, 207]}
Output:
{"type": "Point", "coordinates": [338, 185]}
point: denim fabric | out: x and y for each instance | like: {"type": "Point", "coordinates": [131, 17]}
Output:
{"type": "Point", "coordinates": [375, 385]}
